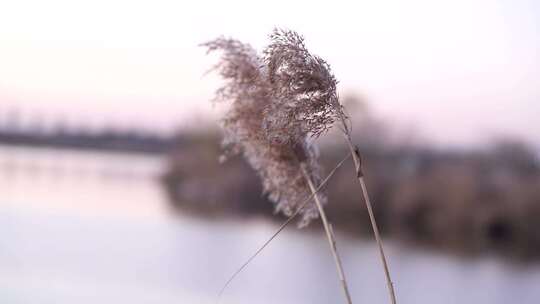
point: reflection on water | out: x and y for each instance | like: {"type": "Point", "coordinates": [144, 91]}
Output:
{"type": "Point", "coordinates": [94, 228]}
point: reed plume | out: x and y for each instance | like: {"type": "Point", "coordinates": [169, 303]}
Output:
{"type": "Point", "coordinates": [279, 103]}
{"type": "Point", "coordinates": [306, 92]}
{"type": "Point", "coordinates": [260, 125]}
{"type": "Point", "coordinates": [278, 160]}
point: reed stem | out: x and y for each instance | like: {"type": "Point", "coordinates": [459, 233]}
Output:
{"type": "Point", "coordinates": [360, 176]}
{"type": "Point", "coordinates": [287, 222]}
{"type": "Point", "coordinates": [329, 235]}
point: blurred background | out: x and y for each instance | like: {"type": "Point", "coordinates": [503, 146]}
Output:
{"type": "Point", "coordinates": [110, 185]}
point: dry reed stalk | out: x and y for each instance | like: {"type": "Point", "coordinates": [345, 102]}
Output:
{"type": "Point", "coordinates": [305, 93]}
{"type": "Point", "coordinates": [330, 236]}
{"type": "Point", "coordinates": [282, 226]}
{"type": "Point", "coordinates": [285, 161]}
{"type": "Point", "coordinates": [277, 102]}
{"type": "Point", "coordinates": [354, 152]}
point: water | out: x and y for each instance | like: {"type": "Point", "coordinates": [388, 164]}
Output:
{"type": "Point", "coordinates": [79, 227]}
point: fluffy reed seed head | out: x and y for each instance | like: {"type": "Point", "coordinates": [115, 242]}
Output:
{"type": "Point", "coordinates": [303, 87]}
{"type": "Point", "coordinates": [277, 102]}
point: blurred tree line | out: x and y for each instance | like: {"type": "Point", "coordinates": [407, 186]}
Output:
{"type": "Point", "coordinates": [465, 201]}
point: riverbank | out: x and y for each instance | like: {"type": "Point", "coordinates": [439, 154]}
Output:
{"type": "Point", "coordinates": [465, 202]}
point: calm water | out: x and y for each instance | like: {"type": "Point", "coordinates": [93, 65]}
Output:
{"type": "Point", "coordinates": [95, 228]}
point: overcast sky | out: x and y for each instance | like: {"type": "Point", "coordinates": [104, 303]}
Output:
{"type": "Point", "coordinates": [459, 71]}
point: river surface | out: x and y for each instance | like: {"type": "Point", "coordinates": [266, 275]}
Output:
{"type": "Point", "coordinates": [81, 227]}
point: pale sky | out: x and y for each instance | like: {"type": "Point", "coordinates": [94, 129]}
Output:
{"type": "Point", "coordinates": [457, 71]}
